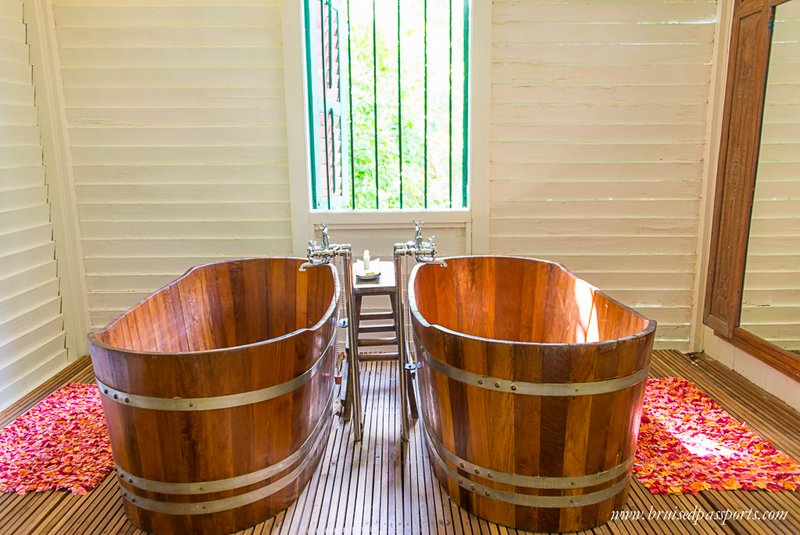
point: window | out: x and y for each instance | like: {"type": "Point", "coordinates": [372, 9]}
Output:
{"type": "Point", "coordinates": [388, 106]}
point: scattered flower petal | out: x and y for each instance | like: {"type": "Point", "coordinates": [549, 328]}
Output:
{"type": "Point", "coordinates": [687, 443]}
{"type": "Point", "coordinates": [61, 443]}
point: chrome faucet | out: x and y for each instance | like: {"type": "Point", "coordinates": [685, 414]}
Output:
{"type": "Point", "coordinates": [424, 250]}
{"type": "Point", "coordinates": [322, 254]}
{"type": "Point", "coordinates": [319, 254]}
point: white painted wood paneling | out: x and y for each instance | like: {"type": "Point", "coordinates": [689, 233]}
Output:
{"type": "Point", "coordinates": [771, 300]}
{"type": "Point", "coordinates": [177, 130]}
{"type": "Point", "coordinates": [32, 338]}
{"type": "Point", "coordinates": [598, 125]}
{"type": "Point", "coordinates": [176, 114]}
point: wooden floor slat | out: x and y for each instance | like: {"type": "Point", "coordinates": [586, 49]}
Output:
{"type": "Point", "coordinates": [382, 486]}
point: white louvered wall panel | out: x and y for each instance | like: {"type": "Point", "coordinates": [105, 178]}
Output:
{"type": "Point", "coordinates": [771, 301]}
{"type": "Point", "coordinates": [597, 138]}
{"type": "Point", "coordinates": [32, 340]}
{"type": "Point", "coordinates": [177, 129]}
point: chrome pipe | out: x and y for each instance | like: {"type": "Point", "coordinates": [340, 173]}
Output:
{"type": "Point", "coordinates": [321, 255]}
{"type": "Point", "coordinates": [400, 251]}
{"type": "Point", "coordinates": [353, 368]}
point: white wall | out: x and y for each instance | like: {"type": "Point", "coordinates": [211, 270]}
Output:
{"type": "Point", "coordinates": [177, 129]}
{"type": "Point", "coordinates": [757, 372]}
{"type": "Point", "coordinates": [32, 338]}
{"type": "Point", "coordinates": [597, 141]}
{"type": "Point", "coordinates": [177, 132]}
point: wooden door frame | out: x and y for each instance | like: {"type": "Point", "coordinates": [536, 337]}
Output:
{"type": "Point", "coordinates": [751, 38]}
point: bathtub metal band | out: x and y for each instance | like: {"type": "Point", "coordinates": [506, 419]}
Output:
{"type": "Point", "coordinates": [219, 485]}
{"type": "Point", "coordinates": [531, 389]}
{"type": "Point", "coordinates": [215, 402]}
{"type": "Point", "coordinates": [225, 504]}
{"type": "Point", "coordinates": [521, 480]}
{"type": "Point", "coordinates": [528, 500]}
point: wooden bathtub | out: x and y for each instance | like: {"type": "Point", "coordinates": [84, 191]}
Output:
{"type": "Point", "coordinates": [217, 390]}
{"type": "Point", "coordinates": [531, 386]}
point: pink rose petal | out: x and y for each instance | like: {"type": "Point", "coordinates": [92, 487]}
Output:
{"type": "Point", "coordinates": [61, 443]}
{"type": "Point", "coordinates": [687, 443]}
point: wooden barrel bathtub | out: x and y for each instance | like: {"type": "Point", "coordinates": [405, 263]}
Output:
{"type": "Point", "coordinates": [217, 390]}
{"type": "Point", "coordinates": [531, 384]}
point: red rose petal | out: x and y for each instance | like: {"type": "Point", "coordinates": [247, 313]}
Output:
{"type": "Point", "coordinates": [61, 443]}
{"type": "Point", "coordinates": [687, 443]}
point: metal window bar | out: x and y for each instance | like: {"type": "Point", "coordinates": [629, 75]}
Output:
{"type": "Point", "coordinates": [425, 73]}
{"type": "Point", "coordinates": [349, 112]}
{"type": "Point", "coordinates": [331, 101]}
{"type": "Point", "coordinates": [375, 102]}
{"type": "Point", "coordinates": [464, 108]}
{"type": "Point", "coordinates": [399, 106]}
{"type": "Point", "coordinates": [450, 108]}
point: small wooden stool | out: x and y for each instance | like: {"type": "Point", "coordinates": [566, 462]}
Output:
{"type": "Point", "coordinates": [384, 285]}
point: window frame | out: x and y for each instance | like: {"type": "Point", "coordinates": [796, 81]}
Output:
{"type": "Point", "coordinates": [475, 217]}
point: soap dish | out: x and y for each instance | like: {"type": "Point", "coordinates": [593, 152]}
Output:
{"type": "Point", "coordinates": [370, 274]}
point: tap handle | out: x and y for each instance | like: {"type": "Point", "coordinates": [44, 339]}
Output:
{"type": "Point", "coordinates": [418, 230]}
{"type": "Point", "coordinates": [326, 241]}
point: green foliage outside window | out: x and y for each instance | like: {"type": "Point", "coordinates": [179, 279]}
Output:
{"type": "Point", "coordinates": [405, 171]}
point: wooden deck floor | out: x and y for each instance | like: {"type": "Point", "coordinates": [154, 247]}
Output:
{"type": "Point", "coordinates": [367, 488]}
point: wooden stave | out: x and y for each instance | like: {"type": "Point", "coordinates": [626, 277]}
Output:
{"type": "Point", "coordinates": [516, 361]}
{"type": "Point", "coordinates": [305, 406]}
{"type": "Point", "coordinates": [234, 518]}
{"type": "Point", "coordinates": [519, 516]}
{"type": "Point", "coordinates": [316, 389]}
